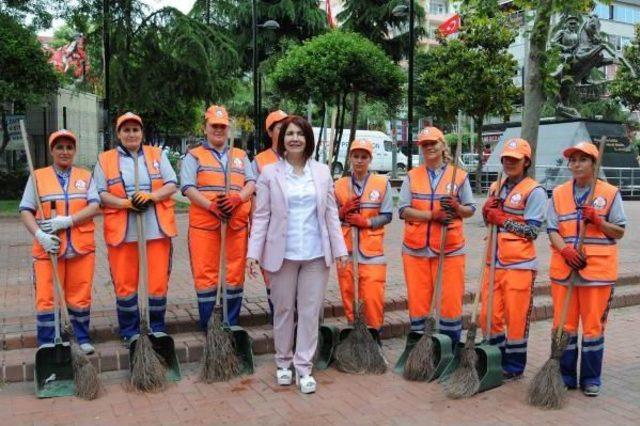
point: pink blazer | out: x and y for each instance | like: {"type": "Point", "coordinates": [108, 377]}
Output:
{"type": "Point", "coordinates": [269, 225]}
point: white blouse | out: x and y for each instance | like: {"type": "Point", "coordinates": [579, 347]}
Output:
{"type": "Point", "coordinates": [304, 241]}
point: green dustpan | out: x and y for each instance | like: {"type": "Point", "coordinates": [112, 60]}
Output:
{"type": "Point", "coordinates": [164, 347]}
{"type": "Point", "coordinates": [443, 351]}
{"type": "Point", "coordinates": [243, 346]}
{"type": "Point", "coordinates": [489, 365]}
{"type": "Point", "coordinates": [53, 375]}
{"type": "Point", "coordinates": [328, 337]}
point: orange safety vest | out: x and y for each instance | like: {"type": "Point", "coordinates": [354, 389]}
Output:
{"type": "Point", "coordinates": [417, 235]}
{"type": "Point", "coordinates": [210, 181]}
{"type": "Point", "coordinates": [115, 220]}
{"type": "Point", "coordinates": [601, 251]}
{"type": "Point", "coordinates": [266, 157]}
{"type": "Point", "coordinates": [512, 248]}
{"type": "Point", "coordinates": [370, 241]}
{"type": "Point", "coordinates": [67, 203]}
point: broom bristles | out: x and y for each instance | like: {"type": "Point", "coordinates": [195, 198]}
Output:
{"type": "Point", "coordinates": [219, 360]}
{"type": "Point", "coordinates": [148, 372]}
{"type": "Point", "coordinates": [421, 362]}
{"type": "Point", "coordinates": [464, 382]}
{"type": "Point", "coordinates": [359, 353]}
{"type": "Point", "coordinates": [547, 390]}
{"type": "Point", "coordinates": [85, 375]}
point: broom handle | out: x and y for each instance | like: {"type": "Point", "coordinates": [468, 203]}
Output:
{"type": "Point", "coordinates": [574, 274]}
{"type": "Point", "coordinates": [435, 299]}
{"type": "Point", "coordinates": [142, 248]}
{"type": "Point", "coordinates": [58, 294]}
{"type": "Point", "coordinates": [492, 266]}
{"type": "Point", "coordinates": [222, 275]}
{"type": "Point", "coordinates": [354, 255]}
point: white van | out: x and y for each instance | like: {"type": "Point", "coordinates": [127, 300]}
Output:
{"type": "Point", "coordinates": [382, 155]}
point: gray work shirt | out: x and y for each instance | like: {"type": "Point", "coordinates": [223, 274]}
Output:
{"type": "Point", "coordinates": [465, 196]}
{"type": "Point", "coordinates": [127, 167]}
{"type": "Point", "coordinates": [29, 200]}
{"type": "Point", "coordinates": [190, 166]}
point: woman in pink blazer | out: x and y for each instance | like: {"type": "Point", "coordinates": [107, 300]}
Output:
{"type": "Point", "coordinates": [295, 237]}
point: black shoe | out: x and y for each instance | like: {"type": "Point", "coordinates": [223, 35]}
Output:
{"type": "Point", "coordinates": [511, 377]}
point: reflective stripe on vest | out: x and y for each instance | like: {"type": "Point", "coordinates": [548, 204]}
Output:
{"type": "Point", "coordinates": [67, 203]}
{"type": "Point", "coordinates": [115, 220]}
{"type": "Point", "coordinates": [417, 235]}
{"type": "Point", "coordinates": [514, 249]}
{"type": "Point", "coordinates": [370, 241]}
{"type": "Point", "coordinates": [266, 157]}
{"type": "Point", "coordinates": [601, 251]}
{"type": "Point", "coordinates": [210, 181]}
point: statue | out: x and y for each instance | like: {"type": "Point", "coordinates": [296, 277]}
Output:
{"type": "Point", "coordinates": [582, 48]}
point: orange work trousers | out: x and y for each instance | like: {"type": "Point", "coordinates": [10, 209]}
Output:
{"type": "Point", "coordinates": [512, 301]}
{"type": "Point", "coordinates": [123, 264]}
{"type": "Point", "coordinates": [371, 281]}
{"type": "Point", "coordinates": [420, 274]}
{"type": "Point", "coordinates": [76, 278]}
{"type": "Point", "coordinates": [204, 249]}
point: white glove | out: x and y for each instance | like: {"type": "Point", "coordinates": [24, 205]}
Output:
{"type": "Point", "coordinates": [53, 225]}
{"type": "Point", "coordinates": [50, 243]}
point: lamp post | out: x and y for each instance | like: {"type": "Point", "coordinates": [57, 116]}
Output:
{"type": "Point", "coordinates": [404, 10]}
{"type": "Point", "coordinates": [269, 25]}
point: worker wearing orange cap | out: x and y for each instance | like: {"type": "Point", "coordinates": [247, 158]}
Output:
{"type": "Point", "coordinates": [426, 206]}
{"type": "Point", "coordinates": [517, 207]}
{"type": "Point", "coordinates": [596, 264]}
{"type": "Point", "coordinates": [202, 177]}
{"type": "Point", "coordinates": [115, 178]}
{"type": "Point", "coordinates": [67, 234]}
{"type": "Point", "coordinates": [262, 160]}
{"type": "Point", "coordinates": [365, 203]}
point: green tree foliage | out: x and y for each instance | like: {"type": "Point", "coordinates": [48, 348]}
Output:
{"type": "Point", "coordinates": [25, 75]}
{"type": "Point", "coordinates": [626, 85]}
{"type": "Point", "coordinates": [472, 73]}
{"type": "Point", "coordinates": [336, 65]}
{"type": "Point", "coordinates": [35, 13]}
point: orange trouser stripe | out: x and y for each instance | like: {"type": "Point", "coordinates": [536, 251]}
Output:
{"type": "Point", "coordinates": [371, 280]}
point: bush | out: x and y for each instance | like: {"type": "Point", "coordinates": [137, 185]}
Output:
{"type": "Point", "coordinates": [12, 184]}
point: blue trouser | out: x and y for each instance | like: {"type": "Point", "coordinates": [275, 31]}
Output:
{"type": "Point", "coordinates": [45, 326]}
{"type": "Point", "coordinates": [449, 327]}
{"type": "Point", "coordinates": [514, 353]}
{"type": "Point", "coordinates": [592, 352]}
{"type": "Point", "coordinates": [207, 302]}
{"type": "Point", "coordinates": [129, 316]}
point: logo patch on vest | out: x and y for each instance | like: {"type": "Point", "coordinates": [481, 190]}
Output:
{"type": "Point", "coordinates": [515, 198]}
{"type": "Point", "coordinates": [156, 165]}
{"type": "Point", "coordinates": [600, 203]}
{"type": "Point", "coordinates": [448, 187]}
{"type": "Point", "coordinates": [237, 163]}
{"type": "Point", "coordinates": [80, 184]}
{"type": "Point", "coordinates": [374, 195]}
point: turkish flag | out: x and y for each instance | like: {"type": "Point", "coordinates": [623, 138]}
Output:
{"type": "Point", "coordinates": [330, 21]}
{"type": "Point", "coordinates": [450, 26]}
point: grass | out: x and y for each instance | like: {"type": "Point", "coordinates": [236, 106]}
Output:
{"type": "Point", "coordinates": [9, 207]}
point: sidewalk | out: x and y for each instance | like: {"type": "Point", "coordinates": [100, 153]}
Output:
{"type": "Point", "coordinates": [345, 399]}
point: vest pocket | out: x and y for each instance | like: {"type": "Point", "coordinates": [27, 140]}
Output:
{"type": "Point", "coordinates": [415, 234]}
{"type": "Point", "coordinates": [514, 248]}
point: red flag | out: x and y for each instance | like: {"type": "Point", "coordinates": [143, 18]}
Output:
{"type": "Point", "coordinates": [330, 21]}
{"type": "Point", "coordinates": [450, 26]}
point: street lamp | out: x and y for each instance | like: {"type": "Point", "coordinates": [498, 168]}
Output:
{"type": "Point", "coordinates": [404, 10]}
{"type": "Point", "coordinates": [268, 25]}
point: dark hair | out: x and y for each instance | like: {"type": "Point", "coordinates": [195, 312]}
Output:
{"type": "Point", "coordinates": [307, 131]}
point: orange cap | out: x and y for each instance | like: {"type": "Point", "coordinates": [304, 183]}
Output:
{"type": "Point", "coordinates": [363, 144]}
{"type": "Point", "coordinates": [429, 134]}
{"type": "Point", "coordinates": [274, 117]}
{"type": "Point", "coordinates": [586, 147]}
{"type": "Point", "coordinates": [127, 116]}
{"type": "Point", "coordinates": [217, 114]}
{"type": "Point", "coordinates": [516, 148]}
{"type": "Point", "coordinates": [62, 133]}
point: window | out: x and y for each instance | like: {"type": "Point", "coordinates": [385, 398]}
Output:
{"type": "Point", "coordinates": [628, 14]}
{"type": "Point", "coordinates": [437, 7]}
{"type": "Point", "coordinates": [602, 11]}
{"type": "Point", "coordinates": [624, 41]}
{"type": "Point", "coordinates": [615, 41]}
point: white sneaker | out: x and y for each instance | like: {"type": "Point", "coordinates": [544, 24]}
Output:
{"type": "Point", "coordinates": [87, 348]}
{"type": "Point", "coordinates": [284, 376]}
{"type": "Point", "coordinates": [307, 384]}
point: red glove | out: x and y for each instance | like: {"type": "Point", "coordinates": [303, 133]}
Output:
{"type": "Point", "coordinates": [227, 203]}
{"type": "Point", "coordinates": [213, 208]}
{"type": "Point", "coordinates": [450, 205]}
{"type": "Point", "coordinates": [441, 216]}
{"type": "Point", "coordinates": [357, 220]}
{"type": "Point", "coordinates": [350, 206]}
{"type": "Point", "coordinates": [496, 216]}
{"type": "Point", "coordinates": [573, 257]}
{"type": "Point", "coordinates": [492, 202]}
{"type": "Point", "coordinates": [590, 215]}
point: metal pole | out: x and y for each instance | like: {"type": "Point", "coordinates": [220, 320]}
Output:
{"type": "Point", "coordinates": [394, 149]}
{"type": "Point", "coordinates": [251, 147]}
{"type": "Point", "coordinates": [410, 87]}
{"type": "Point", "coordinates": [106, 52]}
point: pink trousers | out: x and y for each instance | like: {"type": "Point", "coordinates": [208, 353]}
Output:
{"type": "Point", "coordinates": [297, 285]}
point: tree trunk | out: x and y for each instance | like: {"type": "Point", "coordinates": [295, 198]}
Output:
{"type": "Point", "coordinates": [322, 113]}
{"type": "Point", "coordinates": [339, 130]}
{"type": "Point", "coordinates": [478, 123]}
{"type": "Point", "coordinates": [352, 135]}
{"type": "Point", "coordinates": [533, 95]}
{"type": "Point", "coordinates": [5, 131]}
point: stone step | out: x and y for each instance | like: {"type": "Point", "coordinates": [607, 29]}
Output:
{"type": "Point", "coordinates": [17, 364]}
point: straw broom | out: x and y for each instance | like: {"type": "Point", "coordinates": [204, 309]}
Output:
{"type": "Point", "coordinates": [547, 390]}
{"type": "Point", "coordinates": [421, 362]}
{"type": "Point", "coordinates": [85, 375]}
{"type": "Point", "coordinates": [219, 360]}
